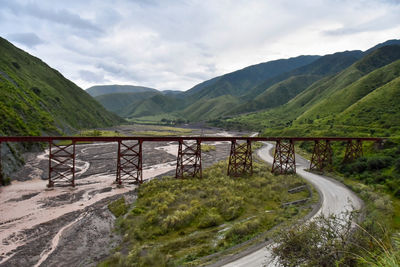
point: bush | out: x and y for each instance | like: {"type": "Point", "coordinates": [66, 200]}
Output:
{"type": "Point", "coordinates": [397, 165]}
{"type": "Point", "coordinates": [377, 163]}
{"type": "Point", "coordinates": [118, 207]}
{"type": "Point", "coordinates": [240, 230]}
{"type": "Point", "coordinates": [210, 219]}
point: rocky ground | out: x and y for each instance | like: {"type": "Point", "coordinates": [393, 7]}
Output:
{"type": "Point", "coordinates": [68, 226]}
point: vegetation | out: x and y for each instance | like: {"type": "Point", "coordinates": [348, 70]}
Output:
{"type": "Point", "coordinates": [177, 222]}
{"type": "Point", "coordinates": [336, 241]}
{"type": "Point", "coordinates": [162, 131]}
{"type": "Point", "coordinates": [118, 207]}
{"type": "Point", "coordinates": [38, 100]}
{"type": "Point", "coordinates": [207, 148]}
{"type": "Point", "coordinates": [116, 89]}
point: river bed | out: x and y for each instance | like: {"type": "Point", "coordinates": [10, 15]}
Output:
{"type": "Point", "coordinates": [67, 226]}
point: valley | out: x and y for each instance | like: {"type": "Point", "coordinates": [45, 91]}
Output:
{"type": "Point", "coordinates": [182, 222]}
{"type": "Point", "coordinates": [59, 225]}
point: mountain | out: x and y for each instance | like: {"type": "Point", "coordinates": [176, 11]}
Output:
{"type": "Point", "coordinates": [363, 98]}
{"type": "Point", "coordinates": [110, 89]}
{"type": "Point", "coordinates": [274, 91]}
{"type": "Point", "coordinates": [237, 83]}
{"type": "Point", "coordinates": [155, 105]}
{"type": "Point", "coordinates": [38, 100]}
{"type": "Point", "coordinates": [118, 102]}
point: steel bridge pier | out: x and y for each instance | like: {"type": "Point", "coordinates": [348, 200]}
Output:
{"type": "Point", "coordinates": [130, 159]}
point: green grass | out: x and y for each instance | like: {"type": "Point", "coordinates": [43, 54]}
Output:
{"type": "Point", "coordinates": [158, 130]}
{"type": "Point", "coordinates": [177, 222]}
{"type": "Point", "coordinates": [207, 148]}
{"type": "Point", "coordinates": [118, 207]}
{"type": "Point", "coordinates": [37, 100]}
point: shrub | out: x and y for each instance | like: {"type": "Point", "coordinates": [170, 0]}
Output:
{"type": "Point", "coordinates": [118, 207]}
{"type": "Point", "coordinates": [210, 219]}
{"type": "Point", "coordinates": [240, 230]}
{"type": "Point", "coordinates": [377, 163]}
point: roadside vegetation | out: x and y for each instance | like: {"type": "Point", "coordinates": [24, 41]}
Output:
{"type": "Point", "coordinates": [176, 222]}
{"type": "Point", "coordinates": [335, 241]}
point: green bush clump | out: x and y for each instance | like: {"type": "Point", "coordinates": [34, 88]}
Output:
{"type": "Point", "coordinates": [118, 207]}
{"type": "Point", "coordinates": [241, 230]}
{"type": "Point", "coordinates": [211, 218]}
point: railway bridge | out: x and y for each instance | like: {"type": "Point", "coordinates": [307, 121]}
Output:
{"type": "Point", "coordinates": [129, 154]}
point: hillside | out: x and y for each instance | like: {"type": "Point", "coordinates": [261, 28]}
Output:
{"type": "Point", "coordinates": [157, 104]}
{"type": "Point", "coordinates": [237, 83]}
{"type": "Point", "coordinates": [118, 102]}
{"type": "Point", "coordinates": [111, 89]}
{"type": "Point", "coordinates": [38, 100]}
{"type": "Point", "coordinates": [335, 105]}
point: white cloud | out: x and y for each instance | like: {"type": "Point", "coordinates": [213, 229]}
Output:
{"type": "Point", "coordinates": [177, 44]}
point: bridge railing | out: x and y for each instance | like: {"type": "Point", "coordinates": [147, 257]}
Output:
{"type": "Point", "coordinates": [130, 157]}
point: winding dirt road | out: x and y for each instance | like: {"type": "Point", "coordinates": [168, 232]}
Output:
{"type": "Point", "coordinates": [335, 199]}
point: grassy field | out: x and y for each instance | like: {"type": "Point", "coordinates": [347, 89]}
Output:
{"type": "Point", "coordinates": [177, 222]}
{"type": "Point", "coordinates": [159, 130]}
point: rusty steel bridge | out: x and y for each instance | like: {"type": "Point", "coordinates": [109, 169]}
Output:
{"type": "Point", "coordinates": [129, 156]}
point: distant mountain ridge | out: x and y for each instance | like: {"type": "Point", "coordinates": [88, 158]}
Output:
{"type": "Point", "coordinates": [112, 89]}
{"type": "Point", "coordinates": [258, 87]}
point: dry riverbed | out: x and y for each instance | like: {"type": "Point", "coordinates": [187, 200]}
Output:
{"type": "Point", "coordinates": [72, 226]}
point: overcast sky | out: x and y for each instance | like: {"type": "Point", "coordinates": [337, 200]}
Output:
{"type": "Point", "coordinates": [176, 44]}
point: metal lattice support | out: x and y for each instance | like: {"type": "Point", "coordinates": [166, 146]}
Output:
{"type": "Point", "coordinates": [1, 169]}
{"type": "Point", "coordinates": [353, 151]}
{"type": "Point", "coordinates": [322, 156]}
{"type": "Point", "coordinates": [61, 164]}
{"type": "Point", "coordinates": [189, 160]}
{"type": "Point", "coordinates": [284, 157]}
{"type": "Point", "coordinates": [240, 159]}
{"type": "Point", "coordinates": [129, 163]}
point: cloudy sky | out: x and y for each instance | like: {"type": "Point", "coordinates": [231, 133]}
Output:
{"type": "Point", "coordinates": [175, 44]}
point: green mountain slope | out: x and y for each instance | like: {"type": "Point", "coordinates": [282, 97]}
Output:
{"type": "Point", "coordinates": [324, 66]}
{"type": "Point", "coordinates": [239, 82]}
{"type": "Point", "coordinates": [206, 109]}
{"type": "Point", "coordinates": [278, 94]}
{"type": "Point", "coordinates": [38, 100]}
{"type": "Point", "coordinates": [111, 89]}
{"type": "Point", "coordinates": [329, 106]}
{"type": "Point", "coordinates": [118, 102]}
{"type": "Point", "coordinates": [157, 104]}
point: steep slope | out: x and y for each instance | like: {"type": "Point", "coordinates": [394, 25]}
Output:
{"type": "Point", "coordinates": [239, 82]}
{"type": "Point", "coordinates": [111, 89]}
{"type": "Point", "coordinates": [324, 66]}
{"type": "Point", "coordinates": [339, 99]}
{"type": "Point", "coordinates": [320, 106]}
{"type": "Point", "coordinates": [206, 109]}
{"type": "Point", "coordinates": [278, 94]}
{"type": "Point", "coordinates": [118, 102]}
{"type": "Point", "coordinates": [38, 100]}
{"type": "Point", "coordinates": [157, 104]}
{"type": "Point", "coordinates": [379, 109]}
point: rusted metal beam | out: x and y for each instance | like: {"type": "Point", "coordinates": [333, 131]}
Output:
{"type": "Point", "coordinates": [188, 162]}
{"type": "Point", "coordinates": [354, 150]}
{"type": "Point", "coordinates": [322, 156]}
{"type": "Point", "coordinates": [174, 138]}
{"type": "Point", "coordinates": [240, 159]}
{"type": "Point", "coordinates": [129, 163]}
{"type": "Point", "coordinates": [61, 164]}
{"type": "Point", "coordinates": [284, 157]}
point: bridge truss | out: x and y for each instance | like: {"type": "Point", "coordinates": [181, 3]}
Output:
{"type": "Point", "coordinates": [130, 154]}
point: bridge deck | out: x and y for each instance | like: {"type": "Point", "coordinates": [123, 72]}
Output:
{"type": "Point", "coordinates": [176, 138]}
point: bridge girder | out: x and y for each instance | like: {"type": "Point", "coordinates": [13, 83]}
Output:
{"type": "Point", "coordinates": [240, 159]}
